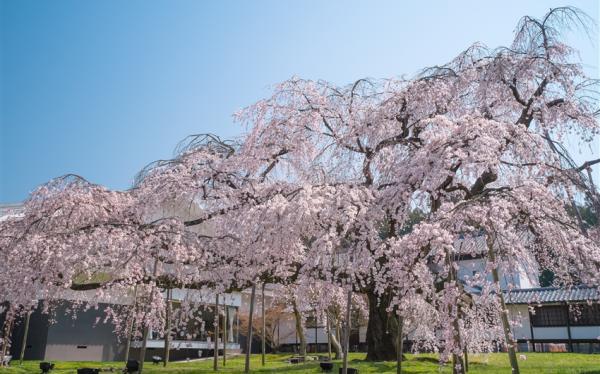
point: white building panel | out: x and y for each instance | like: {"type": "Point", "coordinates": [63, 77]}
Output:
{"type": "Point", "coordinates": [519, 315]}
{"type": "Point", "coordinates": [550, 333]}
{"type": "Point", "coordinates": [585, 332]}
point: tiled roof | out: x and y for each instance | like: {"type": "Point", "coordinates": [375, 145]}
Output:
{"type": "Point", "coordinates": [552, 295]}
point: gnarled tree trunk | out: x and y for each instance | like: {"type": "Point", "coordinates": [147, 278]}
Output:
{"type": "Point", "coordinates": [380, 338]}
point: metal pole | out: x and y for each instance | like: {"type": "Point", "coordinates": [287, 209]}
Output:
{"type": "Point", "coordinates": [24, 343]}
{"type": "Point", "coordinates": [249, 342]}
{"type": "Point", "coordinates": [216, 343]}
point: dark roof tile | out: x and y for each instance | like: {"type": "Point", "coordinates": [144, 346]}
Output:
{"type": "Point", "coordinates": [546, 295]}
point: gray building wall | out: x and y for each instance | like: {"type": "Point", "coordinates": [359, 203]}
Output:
{"type": "Point", "coordinates": [82, 339]}
{"type": "Point", "coordinates": [36, 340]}
{"type": "Point", "coordinates": [68, 339]}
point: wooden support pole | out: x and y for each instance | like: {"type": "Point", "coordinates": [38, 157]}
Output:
{"type": "Point", "coordinates": [142, 356]}
{"type": "Point", "coordinates": [328, 336]}
{"type": "Point", "coordinates": [25, 334]}
{"type": "Point", "coordinates": [512, 353]}
{"type": "Point", "coordinates": [569, 328]}
{"type": "Point", "coordinates": [216, 343]}
{"type": "Point", "coordinates": [225, 332]}
{"type": "Point", "coordinates": [249, 341]}
{"type": "Point", "coordinates": [531, 331]}
{"type": "Point", "coordinates": [347, 333]}
{"type": "Point", "coordinates": [264, 326]}
{"type": "Point", "coordinates": [131, 327]}
{"type": "Point", "coordinates": [167, 348]}
{"type": "Point", "coordinates": [316, 333]}
{"type": "Point", "coordinates": [399, 344]}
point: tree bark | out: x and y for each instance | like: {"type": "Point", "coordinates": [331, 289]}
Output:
{"type": "Point", "coordinates": [299, 328]}
{"type": "Point", "coordinates": [380, 342]}
{"type": "Point", "coordinates": [458, 366]}
{"type": "Point", "coordinates": [8, 325]}
{"type": "Point", "coordinates": [249, 342]}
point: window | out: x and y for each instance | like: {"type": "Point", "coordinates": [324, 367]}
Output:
{"type": "Point", "coordinates": [584, 315]}
{"type": "Point", "coordinates": [547, 316]}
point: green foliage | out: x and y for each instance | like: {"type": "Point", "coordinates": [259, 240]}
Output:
{"type": "Point", "coordinates": [546, 278]}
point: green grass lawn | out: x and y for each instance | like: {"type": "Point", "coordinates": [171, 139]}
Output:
{"type": "Point", "coordinates": [552, 363]}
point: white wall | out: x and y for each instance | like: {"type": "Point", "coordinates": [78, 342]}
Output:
{"type": "Point", "coordinates": [585, 332]}
{"type": "Point", "coordinates": [202, 296]}
{"type": "Point", "coordinates": [550, 333]}
{"type": "Point", "coordinates": [519, 315]}
{"type": "Point", "coordinates": [524, 276]}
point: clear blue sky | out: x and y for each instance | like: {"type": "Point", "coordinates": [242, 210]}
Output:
{"type": "Point", "coordinates": [101, 88]}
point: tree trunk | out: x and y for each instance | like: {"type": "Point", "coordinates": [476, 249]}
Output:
{"type": "Point", "coordinates": [8, 325]}
{"type": "Point", "coordinates": [249, 342]}
{"type": "Point", "coordinates": [299, 328]}
{"type": "Point", "coordinates": [25, 333]}
{"type": "Point", "coordinates": [380, 342]}
{"type": "Point", "coordinates": [458, 366]}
